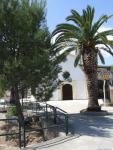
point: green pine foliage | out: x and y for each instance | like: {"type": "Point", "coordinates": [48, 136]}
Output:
{"type": "Point", "coordinates": [25, 56]}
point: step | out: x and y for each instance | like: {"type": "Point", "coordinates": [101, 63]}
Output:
{"type": "Point", "coordinates": [50, 143]}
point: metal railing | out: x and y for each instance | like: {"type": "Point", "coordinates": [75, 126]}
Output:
{"type": "Point", "coordinates": [49, 111]}
{"type": "Point", "coordinates": [57, 113]}
{"type": "Point", "coordinates": [54, 113]}
{"type": "Point", "coordinates": [16, 133]}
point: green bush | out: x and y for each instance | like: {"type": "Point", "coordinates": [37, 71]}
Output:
{"type": "Point", "coordinates": [12, 110]}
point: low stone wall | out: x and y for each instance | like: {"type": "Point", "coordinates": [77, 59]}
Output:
{"type": "Point", "coordinates": [49, 133]}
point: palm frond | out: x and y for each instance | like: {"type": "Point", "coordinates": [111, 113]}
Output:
{"type": "Point", "coordinates": [104, 34]}
{"type": "Point", "coordinates": [83, 34]}
{"type": "Point", "coordinates": [101, 57]}
{"type": "Point", "coordinates": [65, 35]}
{"type": "Point", "coordinates": [77, 59]}
{"type": "Point", "coordinates": [88, 16]}
{"type": "Point", "coordinates": [66, 28]}
{"type": "Point", "coordinates": [62, 57]}
{"type": "Point", "coordinates": [75, 17]}
{"type": "Point", "coordinates": [99, 23]}
{"type": "Point", "coordinates": [63, 46]}
{"type": "Point", "coordinates": [107, 49]}
{"type": "Point", "coordinates": [101, 38]}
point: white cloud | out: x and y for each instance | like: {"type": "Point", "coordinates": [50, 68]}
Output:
{"type": "Point", "coordinates": [104, 29]}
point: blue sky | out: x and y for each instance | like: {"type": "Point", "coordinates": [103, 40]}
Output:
{"type": "Point", "coordinates": [58, 10]}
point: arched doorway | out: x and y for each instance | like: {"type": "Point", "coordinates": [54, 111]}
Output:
{"type": "Point", "coordinates": [67, 93]}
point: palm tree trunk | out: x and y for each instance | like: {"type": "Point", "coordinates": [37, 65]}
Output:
{"type": "Point", "coordinates": [92, 86]}
{"type": "Point", "coordinates": [90, 68]}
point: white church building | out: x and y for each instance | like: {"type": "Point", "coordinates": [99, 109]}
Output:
{"type": "Point", "coordinates": [76, 87]}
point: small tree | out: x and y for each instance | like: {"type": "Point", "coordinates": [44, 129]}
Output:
{"type": "Point", "coordinates": [26, 59]}
{"type": "Point", "coordinates": [23, 43]}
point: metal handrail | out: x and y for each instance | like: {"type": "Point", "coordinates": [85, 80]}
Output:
{"type": "Point", "coordinates": [64, 112]}
{"type": "Point", "coordinates": [61, 110]}
{"type": "Point", "coordinates": [55, 112]}
{"type": "Point", "coordinates": [55, 115]}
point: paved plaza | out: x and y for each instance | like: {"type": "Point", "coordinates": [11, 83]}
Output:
{"type": "Point", "coordinates": [86, 132]}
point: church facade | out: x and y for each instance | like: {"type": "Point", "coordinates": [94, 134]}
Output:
{"type": "Point", "coordinates": [75, 88]}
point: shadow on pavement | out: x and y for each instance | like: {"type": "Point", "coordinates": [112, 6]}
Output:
{"type": "Point", "coordinates": [89, 125]}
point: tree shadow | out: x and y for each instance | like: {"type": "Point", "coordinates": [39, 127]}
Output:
{"type": "Point", "coordinates": [89, 125]}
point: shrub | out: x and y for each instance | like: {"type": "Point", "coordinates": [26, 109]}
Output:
{"type": "Point", "coordinates": [12, 110]}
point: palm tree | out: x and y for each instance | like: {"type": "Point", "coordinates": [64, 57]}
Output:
{"type": "Point", "coordinates": [83, 37]}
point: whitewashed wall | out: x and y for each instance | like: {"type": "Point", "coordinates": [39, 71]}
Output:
{"type": "Point", "coordinates": [78, 80]}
